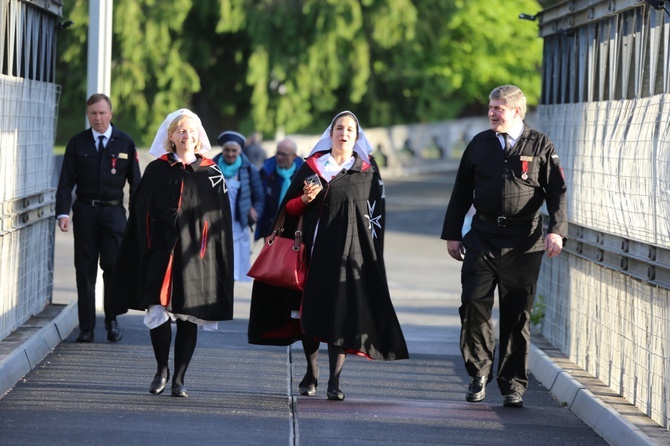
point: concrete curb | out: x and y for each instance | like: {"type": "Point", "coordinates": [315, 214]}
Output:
{"type": "Point", "coordinates": [23, 359]}
{"type": "Point", "coordinates": [602, 418]}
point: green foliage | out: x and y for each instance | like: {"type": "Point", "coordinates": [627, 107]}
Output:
{"type": "Point", "coordinates": [150, 78]}
{"type": "Point", "coordinates": [537, 313]}
{"type": "Point", "coordinates": [462, 50]}
{"type": "Point", "coordinates": [312, 58]}
{"type": "Point", "coordinates": [289, 65]}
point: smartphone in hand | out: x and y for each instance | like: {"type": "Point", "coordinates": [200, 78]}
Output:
{"type": "Point", "coordinates": [313, 179]}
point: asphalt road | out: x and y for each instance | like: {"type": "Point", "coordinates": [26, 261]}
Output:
{"type": "Point", "coordinates": [247, 395]}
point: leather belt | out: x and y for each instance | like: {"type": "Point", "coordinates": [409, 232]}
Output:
{"type": "Point", "coordinates": [507, 221]}
{"type": "Point", "coordinates": [99, 203]}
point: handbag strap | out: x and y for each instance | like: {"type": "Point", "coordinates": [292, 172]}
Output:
{"type": "Point", "coordinates": [279, 224]}
{"type": "Point", "coordinates": [297, 236]}
{"type": "Point", "coordinates": [279, 227]}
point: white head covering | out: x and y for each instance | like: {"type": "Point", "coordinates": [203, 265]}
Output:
{"type": "Point", "coordinates": [362, 146]}
{"type": "Point", "coordinates": [158, 146]}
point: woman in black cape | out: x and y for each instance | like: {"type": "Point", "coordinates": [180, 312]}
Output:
{"type": "Point", "coordinates": [346, 301]}
{"type": "Point", "coordinates": [176, 255]}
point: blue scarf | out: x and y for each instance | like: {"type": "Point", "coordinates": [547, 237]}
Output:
{"type": "Point", "coordinates": [230, 170]}
{"type": "Point", "coordinates": [285, 175]}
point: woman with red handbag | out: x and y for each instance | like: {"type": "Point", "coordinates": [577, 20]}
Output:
{"type": "Point", "coordinates": [339, 196]}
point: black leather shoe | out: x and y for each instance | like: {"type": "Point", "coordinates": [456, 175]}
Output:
{"type": "Point", "coordinates": [158, 384]}
{"type": "Point", "coordinates": [476, 389]}
{"type": "Point", "coordinates": [113, 331]}
{"type": "Point", "coordinates": [513, 399]}
{"type": "Point", "coordinates": [179, 391]}
{"type": "Point", "coordinates": [335, 395]}
{"type": "Point", "coordinates": [85, 336]}
{"type": "Point", "coordinates": [308, 385]}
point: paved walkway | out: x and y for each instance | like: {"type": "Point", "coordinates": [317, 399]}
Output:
{"type": "Point", "coordinates": [241, 394]}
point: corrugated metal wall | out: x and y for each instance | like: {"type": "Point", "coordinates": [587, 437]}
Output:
{"type": "Point", "coordinates": [606, 107]}
{"type": "Point", "coordinates": [28, 106]}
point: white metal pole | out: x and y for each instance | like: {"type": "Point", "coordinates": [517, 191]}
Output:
{"type": "Point", "coordinates": [99, 77]}
{"type": "Point", "coordinates": [99, 47]}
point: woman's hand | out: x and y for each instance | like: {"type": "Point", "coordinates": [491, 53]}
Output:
{"type": "Point", "coordinates": [310, 191]}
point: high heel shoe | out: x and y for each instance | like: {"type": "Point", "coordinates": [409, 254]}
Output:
{"type": "Point", "coordinates": [158, 384]}
{"type": "Point", "coordinates": [307, 388]}
{"type": "Point", "coordinates": [335, 395]}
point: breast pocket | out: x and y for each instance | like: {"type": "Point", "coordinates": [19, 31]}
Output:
{"type": "Point", "coordinates": [86, 160]}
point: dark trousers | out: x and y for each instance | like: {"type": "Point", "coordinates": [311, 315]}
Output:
{"type": "Point", "coordinates": [97, 235]}
{"type": "Point", "coordinates": [515, 274]}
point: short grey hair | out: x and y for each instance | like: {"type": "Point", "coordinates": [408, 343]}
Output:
{"type": "Point", "coordinates": [513, 97]}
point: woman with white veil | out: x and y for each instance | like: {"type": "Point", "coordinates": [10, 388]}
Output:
{"type": "Point", "coordinates": [346, 302]}
{"type": "Point", "coordinates": [176, 255]}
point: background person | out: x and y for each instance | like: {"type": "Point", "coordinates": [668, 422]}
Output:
{"type": "Point", "coordinates": [276, 175]}
{"type": "Point", "coordinates": [97, 162]}
{"type": "Point", "coordinates": [254, 151]}
{"type": "Point", "coordinates": [176, 259]}
{"type": "Point", "coordinates": [346, 301]}
{"type": "Point", "coordinates": [507, 172]}
{"type": "Point", "coordinates": [246, 197]}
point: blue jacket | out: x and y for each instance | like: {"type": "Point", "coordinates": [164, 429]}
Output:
{"type": "Point", "coordinates": [272, 186]}
{"type": "Point", "coordinates": [251, 190]}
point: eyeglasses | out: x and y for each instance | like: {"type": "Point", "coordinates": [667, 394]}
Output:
{"type": "Point", "coordinates": [284, 154]}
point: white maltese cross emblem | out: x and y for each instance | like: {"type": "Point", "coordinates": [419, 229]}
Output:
{"type": "Point", "coordinates": [373, 220]}
{"type": "Point", "coordinates": [217, 178]}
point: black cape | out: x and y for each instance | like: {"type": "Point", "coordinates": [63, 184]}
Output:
{"type": "Point", "coordinates": [177, 248]}
{"type": "Point", "coordinates": [346, 300]}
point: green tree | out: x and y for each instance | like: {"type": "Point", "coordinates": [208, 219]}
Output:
{"type": "Point", "coordinates": [462, 50]}
{"type": "Point", "coordinates": [71, 71]}
{"type": "Point", "coordinates": [218, 47]}
{"type": "Point", "coordinates": [285, 64]}
{"type": "Point", "coordinates": [150, 77]}
{"type": "Point", "coordinates": [484, 45]}
{"type": "Point", "coordinates": [290, 64]}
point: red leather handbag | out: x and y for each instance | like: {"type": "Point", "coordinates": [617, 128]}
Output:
{"type": "Point", "coordinates": [281, 261]}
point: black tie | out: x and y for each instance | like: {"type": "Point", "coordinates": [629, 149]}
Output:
{"type": "Point", "coordinates": [101, 146]}
{"type": "Point", "coordinates": [505, 136]}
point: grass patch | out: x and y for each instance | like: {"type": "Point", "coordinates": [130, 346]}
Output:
{"type": "Point", "coordinates": [537, 313]}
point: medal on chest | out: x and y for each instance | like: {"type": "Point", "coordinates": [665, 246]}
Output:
{"type": "Point", "coordinates": [524, 166]}
{"type": "Point", "coordinates": [113, 166]}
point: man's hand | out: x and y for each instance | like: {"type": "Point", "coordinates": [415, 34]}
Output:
{"type": "Point", "coordinates": [455, 249]}
{"type": "Point", "coordinates": [64, 223]}
{"type": "Point", "coordinates": [553, 244]}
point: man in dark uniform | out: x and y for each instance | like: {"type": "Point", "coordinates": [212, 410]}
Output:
{"type": "Point", "coordinates": [98, 161]}
{"type": "Point", "coordinates": [507, 173]}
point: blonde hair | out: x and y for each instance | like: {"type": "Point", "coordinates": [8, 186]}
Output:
{"type": "Point", "coordinates": [513, 97]}
{"type": "Point", "coordinates": [168, 144]}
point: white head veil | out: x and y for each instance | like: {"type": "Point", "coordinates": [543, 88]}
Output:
{"type": "Point", "coordinates": [362, 146]}
{"type": "Point", "coordinates": [158, 146]}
